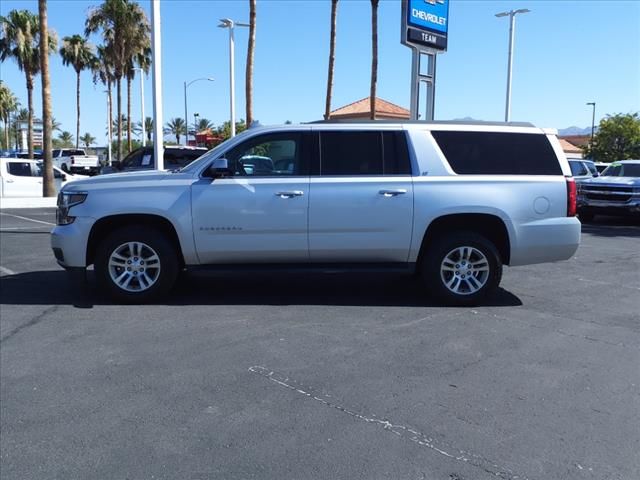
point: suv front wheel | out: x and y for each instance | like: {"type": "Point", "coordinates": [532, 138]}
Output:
{"type": "Point", "coordinates": [136, 264]}
{"type": "Point", "coordinates": [462, 268]}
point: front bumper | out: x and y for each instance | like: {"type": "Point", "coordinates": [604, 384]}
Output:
{"type": "Point", "coordinates": [69, 242]}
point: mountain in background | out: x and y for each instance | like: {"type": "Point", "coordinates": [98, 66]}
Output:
{"type": "Point", "coordinates": [563, 132]}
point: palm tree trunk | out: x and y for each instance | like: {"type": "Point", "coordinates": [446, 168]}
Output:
{"type": "Point", "coordinates": [332, 58]}
{"type": "Point", "coordinates": [250, 55]}
{"type": "Point", "coordinates": [30, 117]}
{"type": "Point", "coordinates": [78, 109]}
{"type": "Point", "coordinates": [374, 56]}
{"type": "Point", "coordinates": [6, 132]}
{"type": "Point", "coordinates": [48, 184]}
{"type": "Point", "coordinates": [128, 113]}
{"type": "Point", "coordinates": [119, 109]}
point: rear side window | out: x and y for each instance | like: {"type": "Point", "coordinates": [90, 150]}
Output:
{"type": "Point", "coordinates": [364, 153]}
{"type": "Point", "coordinates": [577, 169]}
{"type": "Point", "coordinates": [498, 153]}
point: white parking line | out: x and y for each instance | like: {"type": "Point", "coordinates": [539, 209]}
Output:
{"type": "Point", "coordinates": [6, 271]}
{"type": "Point", "coordinates": [27, 218]}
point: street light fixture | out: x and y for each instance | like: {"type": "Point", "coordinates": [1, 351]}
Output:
{"type": "Point", "coordinates": [230, 24]}
{"type": "Point", "coordinates": [186, 136]}
{"type": "Point", "coordinates": [593, 123]}
{"type": "Point", "coordinates": [144, 134]}
{"type": "Point", "coordinates": [512, 15]}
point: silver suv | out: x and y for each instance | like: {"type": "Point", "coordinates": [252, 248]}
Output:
{"type": "Point", "coordinates": [451, 201]}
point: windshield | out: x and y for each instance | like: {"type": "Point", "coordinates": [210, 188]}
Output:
{"type": "Point", "coordinates": [622, 170]}
{"type": "Point", "coordinates": [212, 154]}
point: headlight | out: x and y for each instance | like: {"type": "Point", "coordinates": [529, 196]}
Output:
{"type": "Point", "coordinates": [66, 200]}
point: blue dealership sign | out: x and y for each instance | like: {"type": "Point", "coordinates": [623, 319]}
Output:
{"type": "Point", "coordinates": [425, 23]}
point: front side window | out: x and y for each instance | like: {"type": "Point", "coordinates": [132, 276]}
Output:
{"type": "Point", "coordinates": [498, 153]}
{"type": "Point", "coordinates": [268, 155]}
{"type": "Point", "coordinates": [20, 169]}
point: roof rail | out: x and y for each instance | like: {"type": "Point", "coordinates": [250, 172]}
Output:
{"type": "Point", "coordinates": [423, 122]}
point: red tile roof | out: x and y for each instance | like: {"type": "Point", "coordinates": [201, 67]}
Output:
{"type": "Point", "coordinates": [362, 109]}
{"type": "Point", "coordinates": [568, 147]}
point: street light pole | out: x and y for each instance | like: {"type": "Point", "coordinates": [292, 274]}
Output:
{"type": "Point", "coordinates": [230, 24]}
{"type": "Point", "coordinates": [109, 134]}
{"type": "Point", "coordinates": [593, 122]}
{"type": "Point", "coordinates": [186, 125]}
{"type": "Point", "coordinates": [512, 27]}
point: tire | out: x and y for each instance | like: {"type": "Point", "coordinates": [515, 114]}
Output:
{"type": "Point", "coordinates": [141, 275]}
{"type": "Point", "coordinates": [586, 216]}
{"type": "Point", "coordinates": [477, 249]}
{"type": "Point", "coordinates": [64, 168]}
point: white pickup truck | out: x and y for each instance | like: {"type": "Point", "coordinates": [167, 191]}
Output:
{"type": "Point", "coordinates": [76, 161]}
{"type": "Point", "coordinates": [453, 202]}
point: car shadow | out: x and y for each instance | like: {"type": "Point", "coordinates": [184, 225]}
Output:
{"type": "Point", "coordinates": [607, 226]}
{"type": "Point", "coordinates": [56, 288]}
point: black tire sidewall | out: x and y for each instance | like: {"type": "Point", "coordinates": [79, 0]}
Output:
{"type": "Point", "coordinates": [440, 247]}
{"type": "Point", "coordinates": [169, 265]}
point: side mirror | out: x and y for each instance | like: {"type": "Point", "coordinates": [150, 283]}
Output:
{"type": "Point", "coordinates": [219, 168]}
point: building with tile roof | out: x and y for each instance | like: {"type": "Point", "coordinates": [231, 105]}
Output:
{"type": "Point", "coordinates": [361, 110]}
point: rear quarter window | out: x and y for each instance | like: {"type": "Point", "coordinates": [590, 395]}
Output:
{"type": "Point", "coordinates": [498, 153]}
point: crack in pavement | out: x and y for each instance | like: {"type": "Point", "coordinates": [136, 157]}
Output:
{"type": "Point", "coordinates": [402, 431]}
{"type": "Point", "coordinates": [34, 321]}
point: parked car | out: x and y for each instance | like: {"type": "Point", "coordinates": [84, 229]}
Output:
{"type": "Point", "coordinates": [452, 201]}
{"type": "Point", "coordinates": [75, 161]}
{"type": "Point", "coordinates": [175, 156]}
{"type": "Point", "coordinates": [615, 192]}
{"type": "Point", "coordinates": [23, 178]}
{"type": "Point", "coordinates": [582, 169]}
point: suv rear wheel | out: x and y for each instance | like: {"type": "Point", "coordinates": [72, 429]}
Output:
{"type": "Point", "coordinates": [462, 268]}
{"type": "Point", "coordinates": [136, 264]}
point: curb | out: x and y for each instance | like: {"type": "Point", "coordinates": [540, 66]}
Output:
{"type": "Point", "coordinates": [27, 202]}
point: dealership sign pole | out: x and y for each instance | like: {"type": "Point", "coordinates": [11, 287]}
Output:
{"type": "Point", "coordinates": [424, 28]}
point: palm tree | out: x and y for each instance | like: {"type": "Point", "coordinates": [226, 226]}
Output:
{"type": "Point", "coordinates": [203, 124]}
{"type": "Point", "coordinates": [374, 56]}
{"type": "Point", "coordinates": [66, 139]}
{"type": "Point", "coordinates": [48, 182]}
{"type": "Point", "coordinates": [103, 71]}
{"type": "Point", "coordinates": [20, 33]}
{"type": "Point", "coordinates": [176, 127]}
{"type": "Point", "coordinates": [125, 31]}
{"type": "Point", "coordinates": [79, 53]}
{"type": "Point", "coordinates": [8, 104]}
{"type": "Point", "coordinates": [87, 140]}
{"type": "Point", "coordinates": [55, 125]}
{"type": "Point", "coordinates": [250, 51]}
{"type": "Point", "coordinates": [332, 58]}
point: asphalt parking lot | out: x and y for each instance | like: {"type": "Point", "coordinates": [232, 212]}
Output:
{"type": "Point", "coordinates": [322, 376]}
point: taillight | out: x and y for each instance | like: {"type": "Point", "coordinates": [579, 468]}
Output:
{"type": "Point", "coordinates": [572, 197]}
{"type": "Point", "coordinates": [73, 160]}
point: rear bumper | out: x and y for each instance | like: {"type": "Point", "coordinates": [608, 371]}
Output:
{"type": "Point", "coordinates": [83, 170]}
{"type": "Point", "coordinates": [69, 242]}
{"type": "Point", "coordinates": [548, 240]}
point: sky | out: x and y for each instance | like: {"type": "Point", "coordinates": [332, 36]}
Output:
{"type": "Point", "coordinates": [566, 53]}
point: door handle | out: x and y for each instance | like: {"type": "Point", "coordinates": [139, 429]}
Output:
{"type": "Point", "coordinates": [291, 194]}
{"type": "Point", "coordinates": [392, 193]}
{"type": "Point", "coordinates": [8, 180]}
